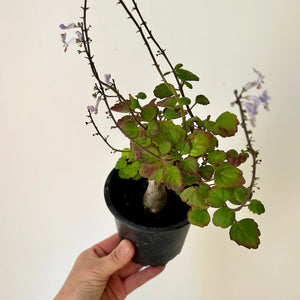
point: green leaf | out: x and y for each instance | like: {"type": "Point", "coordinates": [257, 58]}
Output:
{"type": "Point", "coordinates": [149, 112]}
{"type": "Point", "coordinates": [192, 196]}
{"type": "Point", "coordinates": [190, 166]}
{"type": "Point", "coordinates": [228, 176]}
{"type": "Point", "coordinates": [199, 217]}
{"type": "Point", "coordinates": [123, 175]}
{"type": "Point", "coordinates": [171, 113]}
{"type": "Point", "coordinates": [189, 180]}
{"type": "Point", "coordinates": [143, 141]}
{"type": "Point", "coordinates": [169, 102]}
{"type": "Point", "coordinates": [134, 104]}
{"type": "Point", "coordinates": [121, 163]}
{"type": "Point", "coordinates": [245, 233]}
{"type": "Point", "coordinates": [141, 95]}
{"type": "Point", "coordinates": [201, 99]}
{"type": "Point", "coordinates": [132, 169]}
{"type": "Point", "coordinates": [185, 101]}
{"type": "Point", "coordinates": [238, 195]}
{"type": "Point", "coordinates": [173, 135]}
{"type": "Point", "coordinates": [173, 178]}
{"type": "Point", "coordinates": [200, 142]}
{"type": "Point", "coordinates": [224, 217]}
{"type": "Point", "coordinates": [189, 85]}
{"type": "Point", "coordinates": [163, 91]}
{"type": "Point", "coordinates": [186, 75]}
{"type": "Point", "coordinates": [226, 125]}
{"type": "Point", "coordinates": [153, 128]}
{"type": "Point", "coordinates": [147, 157]}
{"type": "Point", "coordinates": [175, 155]}
{"type": "Point", "coordinates": [158, 175]}
{"type": "Point", "coordinates": [129, 127]}
{"type": "Point", "coordinates": [217, 196]}
{"type": "Point", "coordinates": [178, 66]}
{"type": "Point", "coordinates": [216, 157]}
{"type": "Point", "coordinates": [165, 147]}
{"type": "Point", "coordinates": [184, 147]}
{"type": "Point", "coordinates": [206, 172]}
{"type": "Point", "coordinates": [241, 193]}
{"type": "Point", "coordinates": [256, 207]}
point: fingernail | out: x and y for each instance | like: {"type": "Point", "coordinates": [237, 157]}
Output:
{"type": "Point", "coordinates": [124, 248]}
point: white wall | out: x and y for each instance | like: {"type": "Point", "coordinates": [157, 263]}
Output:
{"type": "Point", "coordinates": [52, 170]}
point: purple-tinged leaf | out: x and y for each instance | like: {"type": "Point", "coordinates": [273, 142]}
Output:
{"type": "Point", "coordinates": [149, 112]}
{"type": "Point", "coordinates": [149, 170]}
{"type": "Point", "coordinates": [193, 197]}
{"type": "Point", "coordinates": [169, 102]}
{"type": "Point", "coordinates": [200, 142]}
{"type": "Point", "coordinates": [199, 217]}
{"type": "Point", "coordinates": [153, 128]}
{"type": "Point", "coordinates": [129, 126]}
{"type": "Point", "coordinates": [172, 178]}
{"type": "Point", "coordinates": [228, 176]}
{"type": "Point", "coordinates": [224, 217]}
{"type": "Point", "coordinates": [189, 166]}
{"type": "Point", "coordinates": [245, 233]}
{"type": "Point", "coordinates": [217, 196]}
{"type": "Point", "coordinates": [226, 125]}
{"type": "Point", "coordinates": [236, 159]}
{"type": "Point", "coordinates": [206, 172]}
{"type": "Point", "coordinates": [121, 107]}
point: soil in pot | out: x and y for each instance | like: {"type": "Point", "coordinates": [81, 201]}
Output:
{"type": "Point", "coordinates": [127, 195]}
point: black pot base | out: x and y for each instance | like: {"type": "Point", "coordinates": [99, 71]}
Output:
{"type": "Point", "coordinates": [157, 237]}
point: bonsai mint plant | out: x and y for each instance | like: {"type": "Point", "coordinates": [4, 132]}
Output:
{"type": "Point", "coordinates": [171, 146]}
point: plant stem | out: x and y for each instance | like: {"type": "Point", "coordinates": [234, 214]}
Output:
{"type": "Point", "coordinates": [254, 153]}
{"type": "Point", "coordinates": [99, 133]}
{"type": "Point", "coordinates": [101, 84]}
{"type": "Point", "coordinates": [170, 87]}
{"type": "Point", "coordinates": [162, 52]}
{"type": "Point", "coordinates": [155, 197]}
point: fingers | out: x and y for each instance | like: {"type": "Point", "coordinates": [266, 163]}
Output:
{"type": "Point", "coordinates": [137, 279]}
{"type": "Point", "coordinates": [117, 259]}
{"type": "Point", "coordinates": [129, 269]}
{"type": "Point", "coordinates": [106, 246]}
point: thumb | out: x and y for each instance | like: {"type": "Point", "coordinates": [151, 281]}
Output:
{"type": "Point", "coordinates": [118, 258]}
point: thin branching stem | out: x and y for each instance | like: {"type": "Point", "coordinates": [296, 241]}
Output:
{"type": "Point", "coordinates": [102, 85]}
{"type": "Point", "coordinates": [155, 63]}
{"type": "Point", "coordinates": [162, 52]}
{"type": "Point", "coordinates": [99, 133]}
{"type": "Point", "coordinates": [251, 150]}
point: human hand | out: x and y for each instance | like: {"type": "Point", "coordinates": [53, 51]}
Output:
{"type": "Point", "coordinates": [106, 272]}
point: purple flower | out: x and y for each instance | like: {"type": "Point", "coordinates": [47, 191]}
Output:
{"type": "Point", "coordinates": [107, 78]}
{"type": "Point", "coordinates": [71, 41]}
{"type": "Point", "coordinates": [256, 83]}
{"type": "Point", "coordinates": [264, 99]}
{"type": "Point", "coordinates": [252, 104]}
{"type": "Point", "coordinates": [64, 27]}
{"type": "Point", "coordinates": [251, 108]}
{"type": "Point", "coordinates": [94, 109]}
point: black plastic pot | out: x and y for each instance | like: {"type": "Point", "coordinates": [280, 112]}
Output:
{"type": "Point", "coordinates": [157, 238]}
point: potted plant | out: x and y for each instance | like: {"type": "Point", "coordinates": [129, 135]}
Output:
{"type": "Point", "coordinates": [173, 172]}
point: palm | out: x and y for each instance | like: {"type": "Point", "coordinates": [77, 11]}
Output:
{"type": "Point", "coordinates": [121, 283]}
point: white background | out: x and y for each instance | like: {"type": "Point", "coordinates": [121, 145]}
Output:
{"type": "Point", "coordinates": [52, 170]}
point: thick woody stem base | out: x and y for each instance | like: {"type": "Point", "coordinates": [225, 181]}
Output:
{"type": "Point", "coordinates": [155, 197]}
